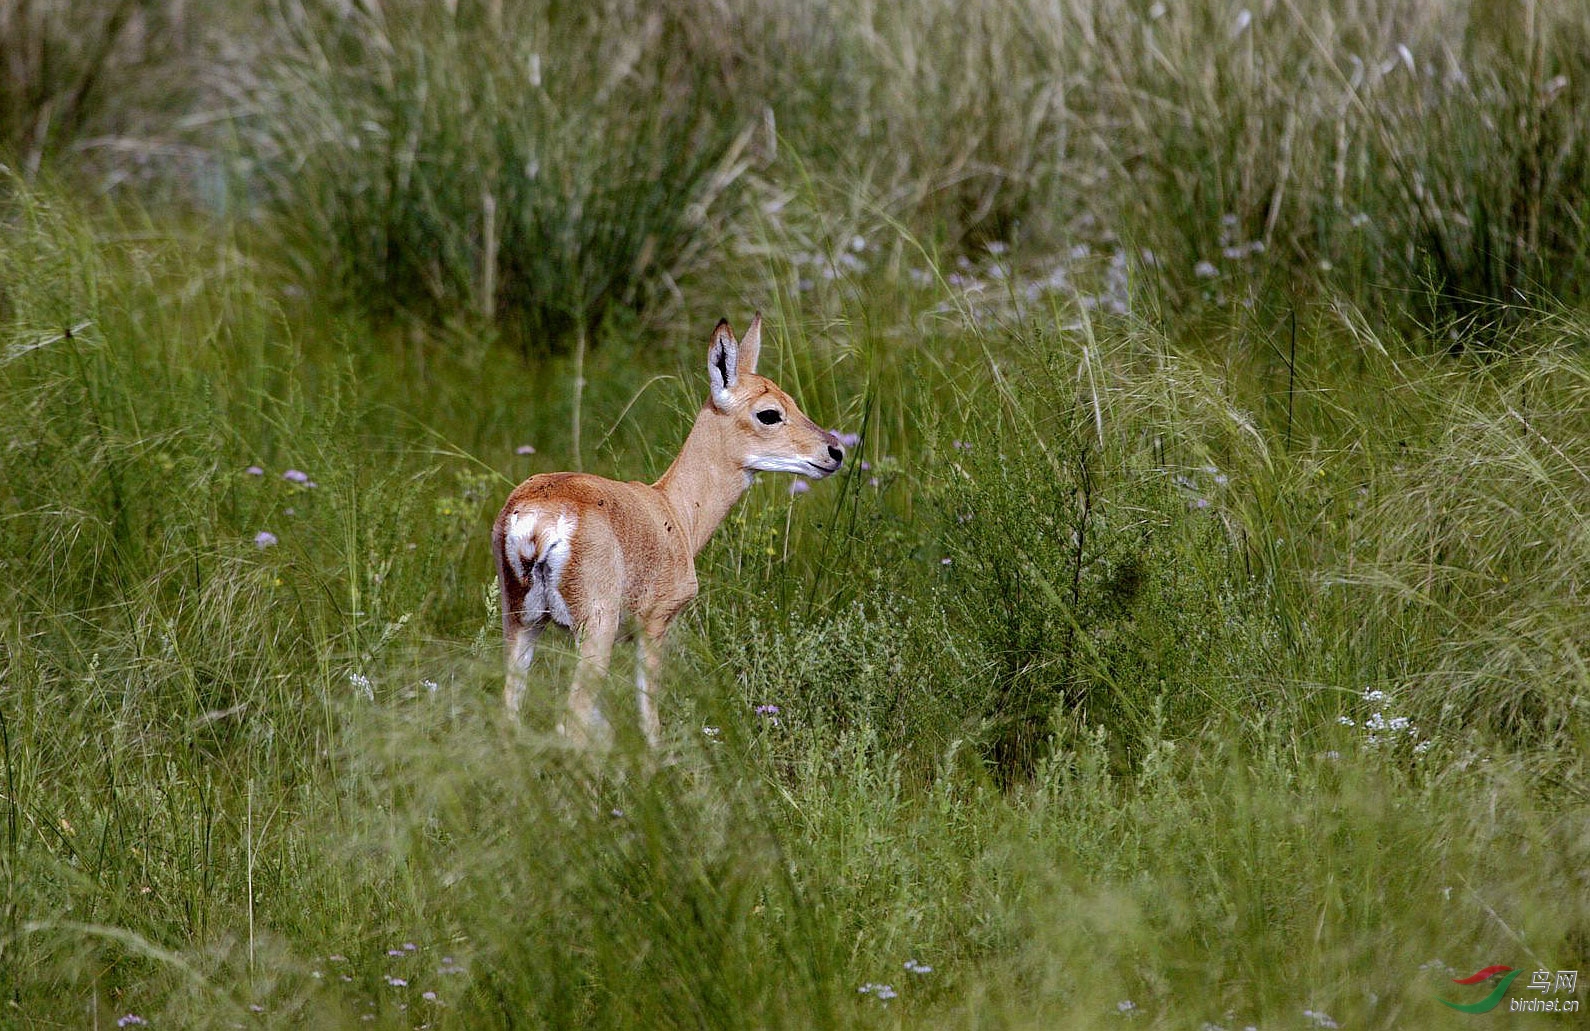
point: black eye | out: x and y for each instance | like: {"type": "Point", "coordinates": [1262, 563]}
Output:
{"type": "Point", "coordinates": [769, 416]}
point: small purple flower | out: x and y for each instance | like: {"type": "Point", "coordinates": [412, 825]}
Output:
{"type": "Point", "coordinates": [131, 1020]}
{"type": "Point", "coordinates": [254, 470]}
{"type": "Point", "coordinates": [265, 539]}
{"type": "Point", "coordinates": [849, 439]}
{"type": "Point", "coordinates": [397, 982]}
{"type": "Point", "coordinates": [799, 487]}
{"type": "Point", "coordinates": [866, 466]}
{"type": "Point", "coordinates": [524, 449]}
{"type": "Point", "coordinates": [428, 996]}
{"type": "Point", "coordinates": [389, 952]}
{"type": "Point", "coordinates": [767, 710]}
{"type": "Point", "coordinates": [409, 947]}
{"type": "Point", "coordinates": [295, 476]}
{"type": "Point", "coordinates": [872, 481]}
{"type": "Point", "coordinates": [961, 445]}
{"type": "Point", "coordinates": [946, 560]}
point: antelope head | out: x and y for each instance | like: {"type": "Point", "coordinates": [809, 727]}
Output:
{"type": "Point", "coordinates": [758, 420]}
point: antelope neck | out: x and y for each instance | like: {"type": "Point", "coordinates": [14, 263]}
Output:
{"type": "Point", "coordinates": [705, 480]}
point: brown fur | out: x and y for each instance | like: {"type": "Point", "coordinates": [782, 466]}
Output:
{"type": "Point", "coordinates": [632, 551]}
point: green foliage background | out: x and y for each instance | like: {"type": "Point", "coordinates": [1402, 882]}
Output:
{"type": "Point", "coordinates": [1195, 637]}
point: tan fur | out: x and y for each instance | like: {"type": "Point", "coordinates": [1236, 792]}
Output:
{"type": "Point", "coordinates": [614, 552]}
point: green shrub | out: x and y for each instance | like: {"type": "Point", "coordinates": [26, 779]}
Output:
{"type": "Point", "coordinates": [1100, 586]}
{"type": "Point", "coordinates": [522, 161]}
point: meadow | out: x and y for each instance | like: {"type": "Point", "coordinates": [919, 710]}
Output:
{"type": "Point", "coordinates": [1195, 637]}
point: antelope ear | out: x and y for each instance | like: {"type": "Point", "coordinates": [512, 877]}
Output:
{"type": "Point", "coordinates": [723, 365]}
{"type": "Point", "coordinates": [751, 345]}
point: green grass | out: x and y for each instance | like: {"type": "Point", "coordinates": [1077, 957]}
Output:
{"type": "Point", "coordinates": [1191, 650]}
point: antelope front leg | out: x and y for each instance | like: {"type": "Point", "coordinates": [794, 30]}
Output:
{"type": "Point", "coordinates": [585, 725]}
{"type": "Point", "coordinates": [648, 683]}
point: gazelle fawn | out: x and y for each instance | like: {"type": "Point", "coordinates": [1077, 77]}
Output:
{"type": "Point", "coordinates": [592, 554]}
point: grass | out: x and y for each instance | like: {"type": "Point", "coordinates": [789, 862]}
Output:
{"type": "Point", "coordinates": [447, 161]}
{"type": "Point", "coordinates": [1176, 650]}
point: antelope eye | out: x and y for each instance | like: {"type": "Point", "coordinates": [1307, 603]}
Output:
{"type": "Point", "coordinates": [769, 416]}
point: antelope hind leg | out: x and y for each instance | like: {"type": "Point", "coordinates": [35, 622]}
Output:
{"type": "Point", "coordinates": [521, 647]}
{"type": "Point", "coordinates": [584, 725]}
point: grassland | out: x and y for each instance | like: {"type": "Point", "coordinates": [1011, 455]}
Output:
{"type": "Point", "coordinates": [1195, 639]}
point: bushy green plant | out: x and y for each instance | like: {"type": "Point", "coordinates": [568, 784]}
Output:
{"type": "Point", "coordinates": [1096, 584]}
{"type": "Point", "coordinates": [521, 161]}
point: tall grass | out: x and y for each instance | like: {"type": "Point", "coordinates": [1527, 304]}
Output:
{"type": "Point", "coordinates": [1422, 149]}
{"type": "Point", "coordinates": [1186, 646]}
{"type": "Point", "coordinates": [104, 88]}
{"type": "Point", "coordinates": [515, 159]}
{"type": "Point", "coordinates": [54, 71]}
{"type": "Point", "coordinates": [1098, 757]}
{"type": "Point", "coordinates": [538, 166]}
{"type": "Point", "coordinates": [1425, 159]}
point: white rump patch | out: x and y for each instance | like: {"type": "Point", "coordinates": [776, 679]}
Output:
{"type": "Point", "coordinates": [538, 546]}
